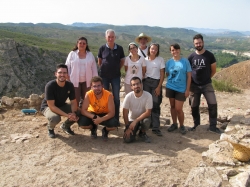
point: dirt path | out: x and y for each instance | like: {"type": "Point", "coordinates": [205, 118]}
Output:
{"type": "Point", "coordinates": [80, 161]}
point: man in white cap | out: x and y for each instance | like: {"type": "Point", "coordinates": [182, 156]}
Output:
{"type": "Point", "coordinates": [143, 39]}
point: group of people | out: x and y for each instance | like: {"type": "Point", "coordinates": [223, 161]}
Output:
{"type": "Point", "coordinates": [92, 104]}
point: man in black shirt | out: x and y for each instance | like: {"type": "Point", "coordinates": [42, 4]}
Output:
{"type": "Point", "coordinates": [203, 64]}
{"type": "Point", "coordinates": [54, 104]}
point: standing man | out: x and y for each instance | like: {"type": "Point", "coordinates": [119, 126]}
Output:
{"type": "Point", "coordinates": [137, 107]}
{"type": "Point", "coordinates": [54, 104]}
{"type": "Point", "coordinates": [203, 64]}
{"type": "Point", "coordinates": [143, 40]}
{"type": "Point", "coordinates": [110, 60]}
{"type": "Point", "coordinates": [98, 108]}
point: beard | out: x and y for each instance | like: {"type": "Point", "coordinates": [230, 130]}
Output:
{"type": "Point", "coordinates": [199, 48]}
{"type": "Point", "coordinates": [137, 90]}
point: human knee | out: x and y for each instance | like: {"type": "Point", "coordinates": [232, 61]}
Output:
{"type": "Point", "coordinates": [145, 124]}
{"type": "Point", "coordinates": [54, 119]}
{"type": "Point", "coordinates": [212, 109]}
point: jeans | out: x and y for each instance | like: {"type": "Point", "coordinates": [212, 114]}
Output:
{"type": "Point", "coordinates": [194, 101]}
{"type": "Point", "coordinates": [54, 119]}
{"type": "Point", "coordinates": [150, 85]}
{"type": "Point", "coordinates": [115, 83]}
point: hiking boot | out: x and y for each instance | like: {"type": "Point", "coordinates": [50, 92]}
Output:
{"type": "Point", "coordinates": [173, 127]}
{"type": "Point", "coordinates": [51, 133]}
{"type": "Point", "coordinates": [215, 130]}
{"type": "Point", "coordinates": [157, 132]}
{"type": "Point", "coordinates": [144, 136]}
{"type": "Point", "coordinates": [93, 132]}
{"type": "Point", "coordinates": [183, 129]}
{"type": "Point", "coordinates": [105, 134]}
{"type": "Point", "coordinates": [67, 130]}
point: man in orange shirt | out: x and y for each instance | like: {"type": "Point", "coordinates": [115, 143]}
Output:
{"type": "Point", "coordinates": [98, 108]}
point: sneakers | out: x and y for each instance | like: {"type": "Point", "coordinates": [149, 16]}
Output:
{"type": "Point", "coordinates": [51, 133]}
{"type": "Point", "coordinates": [157, 132]}
{"type": "Point", "coordinates": [144, 136]}
{"type": "Point", "coordinates": [93, 132]}
{"type": "Point", "coordinates": [215, 130]}
{"type": "Point", "coordinates": [105, 134]}
{"type": "Point", "coordinates": [67, 130]}
{"type": "Point", "coordinates": [183, 129]}
{"type": "Point", "coordinates": [173, 127]}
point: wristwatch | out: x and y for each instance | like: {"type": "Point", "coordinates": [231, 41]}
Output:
{"type": "Point", "coordinates": [95, 116]}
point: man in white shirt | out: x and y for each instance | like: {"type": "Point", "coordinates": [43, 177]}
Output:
{"type": "Point", "coordinates": [143, 40]}
{"type": "Point", "coordinates": [137, 106]}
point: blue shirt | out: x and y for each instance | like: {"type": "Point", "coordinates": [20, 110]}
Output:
{"type": "Point", "coordinates": [177, 74]}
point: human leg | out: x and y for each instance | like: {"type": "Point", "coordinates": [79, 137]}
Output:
{"type": "Point", "coordinates": [109, 125]}
{"type": "Point", "coordinates": [194, 101]}
{"type": "Point", "coordinates": [180, 115]}
{"type": "Point", "coordinates": [210, 97]}
{"type": "Point", "coordinates": [67, 124]}
{"type": "Point", "coordinates": [83, 90]}
{"type": "Point", "coordinates": [78, 94]}
{"type": "Point", "coordinates": [87, 123]}
{"type": "Point", "coordinates": [145, 124]}
{"type": "Point", "coordinates": [115, 83]}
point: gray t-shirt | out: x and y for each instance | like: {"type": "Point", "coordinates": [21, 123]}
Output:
{"type": "Point", "coordinates": [137, 105]}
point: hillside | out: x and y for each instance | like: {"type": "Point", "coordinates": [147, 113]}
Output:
{"type": "Point", "coordinates": [237, 74]}
{"type": "Point", "coordinates": [26, 69]}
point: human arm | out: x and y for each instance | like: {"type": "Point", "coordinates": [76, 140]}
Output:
{"type": "Point", "coordinates": [99, 62]}
{"type": "Point", "coordinates": [213, 69]}
{"type": "Point", "coordinates": [188, 84]}
{"type": "Point", "coordinates": [55, 109]}
{"type": "Point", "coordinates": [68, 64]}
{"type": "Point", "coordinates": [122, 62]}
{"type": "Point", "coordinates": [138, 119]}
{"type": "Point", "coordinates": [144, 69]}
{"type": "Point", "coordinates": [125, 115]}
{"type": "Point", "coordinates": [158, 89]}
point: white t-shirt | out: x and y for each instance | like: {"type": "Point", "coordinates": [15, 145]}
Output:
{"type": "Point", "coordinates": [134, 68]}
{"type": "Point", "coordinates": [137, 105]}
{"type": "Point", "coordinates": [154, 67]}
{"type": "Point", "coordinates": [145, 51]}
{"type": "Point", "coordinates": [82, 67]}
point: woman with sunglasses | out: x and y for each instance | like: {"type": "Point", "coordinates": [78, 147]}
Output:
{"type": "Point", "coordinates": [134, 65]}
{"type": "Point", "coordinates": [153, 84]}
{"type": "Point", "coordinates": [178, 71]}
{"type": "Point", "coordinates": [81, 68]}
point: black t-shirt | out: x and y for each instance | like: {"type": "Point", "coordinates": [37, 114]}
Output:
{"type": "Point", "coordinates": [110, 67]}
{"type": "Point", "coordinates": [59, 94]}
{"type": "Point", "coordinates": [201, 67]}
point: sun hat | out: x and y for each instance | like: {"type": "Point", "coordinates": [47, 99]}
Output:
{"type": "Point", "coordinates": [142, 35]}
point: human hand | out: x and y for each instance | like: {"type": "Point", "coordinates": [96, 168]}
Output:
{"type": "Point", "coordinates": [157, 91]}
{"type": "Point", "coordinates": [186, 93]}
{"type": "Point", "coordinates": [97, 120]}
{"type": "Point", "coordinates": [73, 117]}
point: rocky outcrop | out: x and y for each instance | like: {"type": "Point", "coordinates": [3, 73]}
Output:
{"type": "Point", "coordinates": [26, 69]}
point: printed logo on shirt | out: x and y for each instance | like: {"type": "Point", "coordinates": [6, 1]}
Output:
{"type": "Point", "coordinates": [198, 64]}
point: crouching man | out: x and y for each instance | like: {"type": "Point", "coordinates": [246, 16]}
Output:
{"type": "Point", "coordinates": [137, 107]}
{"type": "Point", "coordinates": [98, 108]}
{"type": "Point", "coordinates": [54, 104]}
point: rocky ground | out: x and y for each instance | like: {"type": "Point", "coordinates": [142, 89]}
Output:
{"type": "Point", "coordinates": [28, 157]}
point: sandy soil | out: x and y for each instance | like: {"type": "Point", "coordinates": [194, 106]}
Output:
{"type": "Point", "coordinates": [81, 161]}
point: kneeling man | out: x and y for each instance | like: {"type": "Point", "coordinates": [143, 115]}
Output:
{"type": "Point", "coordinates": [137, 107]}
{"type": "Point", "coordinates": [98, 108]}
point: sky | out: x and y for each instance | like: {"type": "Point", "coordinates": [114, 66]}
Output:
{"type": "Point", "coordinates": [212, 14]}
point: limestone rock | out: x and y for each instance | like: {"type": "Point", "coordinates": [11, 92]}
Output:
{"type": "Point", "coordinates": [240, 180]}
{"type": "Point", "coordinates": [203, 176]}
{"type": "Point", "coordinates": [7, 101]}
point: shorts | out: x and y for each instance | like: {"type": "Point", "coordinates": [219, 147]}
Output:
{"type": "Point", "coordinates": [176, 95]}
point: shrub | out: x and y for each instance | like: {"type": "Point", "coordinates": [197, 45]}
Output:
{"type": "Point", "coordinates": [224, 86]}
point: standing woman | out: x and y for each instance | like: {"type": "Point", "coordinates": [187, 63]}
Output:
{"type": "Point", "coordinates": [135, 66]}
{"type": "Point", "coordinates": [81, 68]}
{"type": "Point", "coordinates": [153, 84]}
{"type": "Point", "coordinates": [178, 71]}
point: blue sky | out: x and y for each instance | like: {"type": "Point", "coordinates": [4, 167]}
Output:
{"type": "Point", "coordinates": [213, 14]}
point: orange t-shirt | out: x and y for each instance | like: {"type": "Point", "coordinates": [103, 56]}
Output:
{"type": "Point", "coordinates": [101, 105]}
